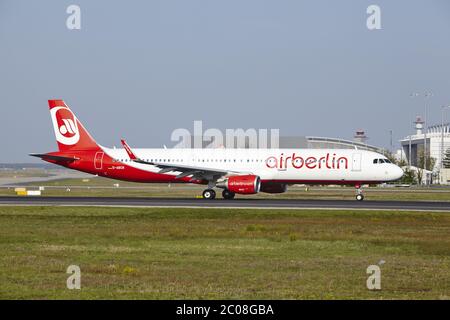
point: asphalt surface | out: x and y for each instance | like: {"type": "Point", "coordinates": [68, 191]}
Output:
{"type": "Point", "coordinates": [220, 203]}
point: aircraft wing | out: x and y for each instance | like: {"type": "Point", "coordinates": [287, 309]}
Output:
{"type": "Point", "coordinates": [185, 171]}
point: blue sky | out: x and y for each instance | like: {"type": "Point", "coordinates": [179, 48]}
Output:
{"type": "Point", "coordinates": [140, 69]}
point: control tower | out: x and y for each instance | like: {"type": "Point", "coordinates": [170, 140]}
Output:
{"type": "Point", "coordinates": [360, 136]}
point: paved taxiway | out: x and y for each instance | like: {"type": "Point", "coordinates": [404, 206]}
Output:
{"type": "Point", "coordinates": [220, 203]}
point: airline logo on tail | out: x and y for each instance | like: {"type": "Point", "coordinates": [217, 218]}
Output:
{"type": "Point", "coordinates": [65, 125]}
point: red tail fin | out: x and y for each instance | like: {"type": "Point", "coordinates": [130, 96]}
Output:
{"type": "Point", "coordinates": [70, 133]}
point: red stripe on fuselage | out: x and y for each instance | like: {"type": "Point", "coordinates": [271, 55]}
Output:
{"type": "Point", "coordinates": [114, 169]}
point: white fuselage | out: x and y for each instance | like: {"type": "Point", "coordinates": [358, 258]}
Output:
{"type": "Point", "coordinates": [286, 165]}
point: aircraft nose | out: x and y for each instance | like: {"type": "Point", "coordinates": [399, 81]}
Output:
{"type": "Point", "coordinates": [397, 173]}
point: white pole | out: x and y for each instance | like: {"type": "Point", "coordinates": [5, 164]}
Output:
{"type": "Point", "coordinates": [442, 137]}
{"type": "Point", "coordinates": [442, 142]}
{"type": "Point", "coordinates": [425, 153]}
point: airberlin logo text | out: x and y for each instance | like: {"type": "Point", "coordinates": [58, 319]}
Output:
{"type": "Point", "coordinates": [297, 162]}
{"type": "Point", "coordinates": [65, 126]}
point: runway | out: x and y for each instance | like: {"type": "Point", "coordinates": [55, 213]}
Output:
{"type": "Point", "coordinates": [220, 203]}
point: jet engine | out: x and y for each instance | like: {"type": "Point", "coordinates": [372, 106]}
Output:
{"type": "Point", "coordinates": [245, 184]}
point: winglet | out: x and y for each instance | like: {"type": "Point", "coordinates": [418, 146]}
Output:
{"type": "Point", "coordinates": [128, 150]}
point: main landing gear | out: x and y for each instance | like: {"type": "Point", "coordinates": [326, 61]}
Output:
{"type": "Point", "coordinates": [359, 193]}
{"type": "Point", "coordinates": [210, 194]}
{"type": "Point", "coordinates": [227, 194]}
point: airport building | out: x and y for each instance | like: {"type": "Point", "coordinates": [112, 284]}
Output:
{"type": "Point", "coordinates": [289, 142]}
{"type": "Point", "coordinates": [313, 142]}
{"type": "Point", "coordinates": [436, 138]}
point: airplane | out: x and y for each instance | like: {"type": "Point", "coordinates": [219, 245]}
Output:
{"type": "Point", "coordinates": [236, 171]}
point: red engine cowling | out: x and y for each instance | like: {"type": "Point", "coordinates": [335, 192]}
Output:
{"type": "Point", "coordinates": [272, 187]}
{"type": "Point", "coordinates": [245, 184]}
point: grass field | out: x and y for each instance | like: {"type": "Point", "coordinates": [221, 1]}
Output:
{"type": "Point", "coordinates": [23, 173]}
{"type": "Point", "coordinates": [151, 253]}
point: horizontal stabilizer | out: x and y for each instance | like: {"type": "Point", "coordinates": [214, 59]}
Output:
{"type": "Point", "coordinates": [54, 157]}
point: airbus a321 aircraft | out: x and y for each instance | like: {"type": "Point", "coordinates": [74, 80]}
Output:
{"type": "Point", "coordinates": [236, 171]}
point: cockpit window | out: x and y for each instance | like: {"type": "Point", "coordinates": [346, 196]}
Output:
{"type": "Point", "coordinates": [381, 161]}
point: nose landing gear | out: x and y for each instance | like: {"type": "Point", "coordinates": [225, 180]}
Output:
{"type": "Point", "coordinates": [359, 193]}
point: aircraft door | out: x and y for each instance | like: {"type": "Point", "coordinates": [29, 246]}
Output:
{"type": "Point", "coordinates": [356, 162]}
{"type": "Point", "coordinates": [98, 160]}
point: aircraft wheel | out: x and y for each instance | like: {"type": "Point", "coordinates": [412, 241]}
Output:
{"type": "Point", "coordinates": [359, 197]}
{"type": "Point", "coordinates": [228, 195]}
{"type": "Point", "coordinates": [209, 194]}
